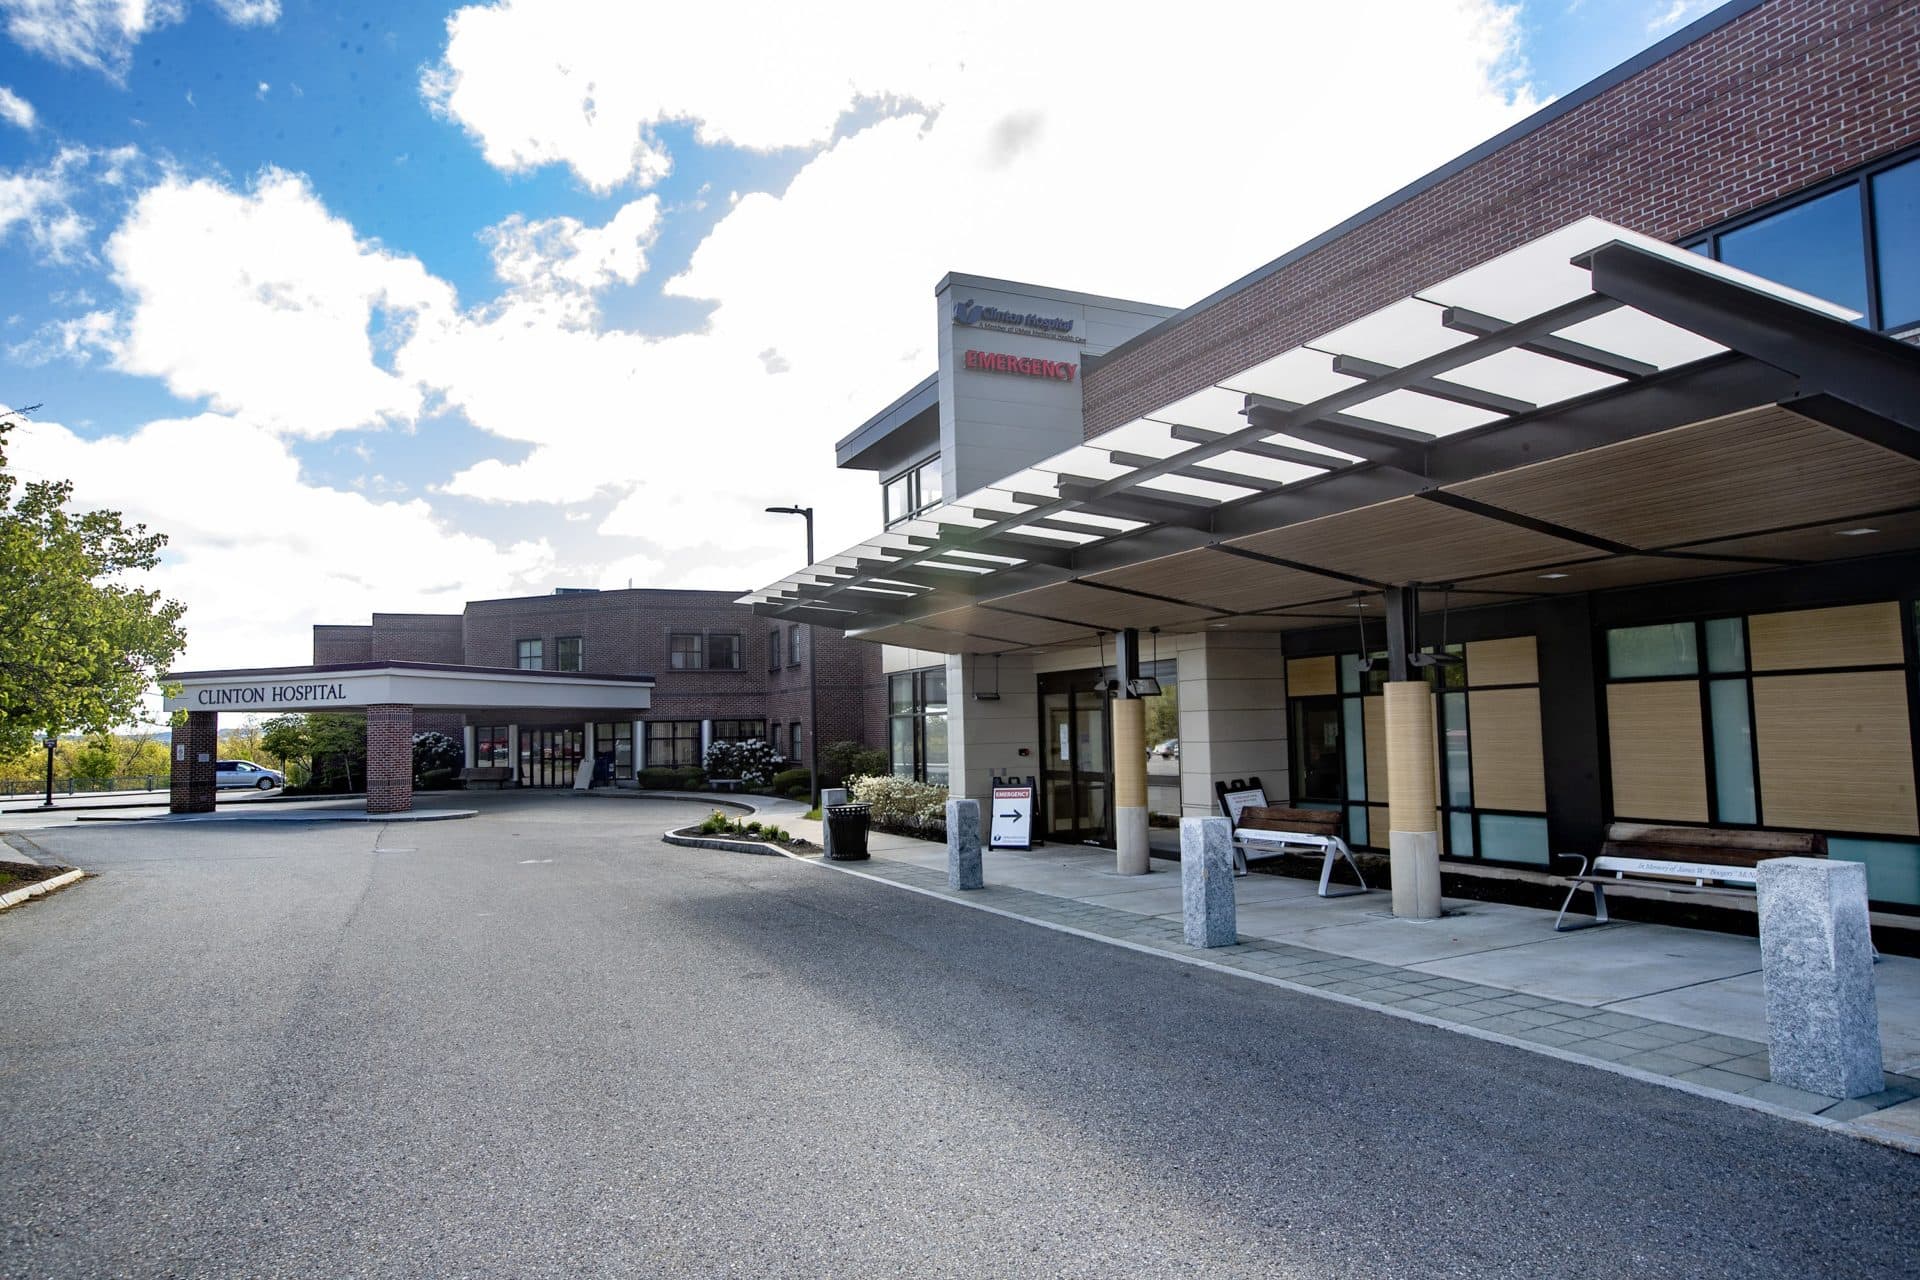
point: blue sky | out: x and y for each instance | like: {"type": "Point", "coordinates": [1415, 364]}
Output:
{"type": "Point", "coordinates": [533, 300]}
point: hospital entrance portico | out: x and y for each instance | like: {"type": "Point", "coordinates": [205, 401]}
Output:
{"type": "Point", "coordinates": [571, 709]}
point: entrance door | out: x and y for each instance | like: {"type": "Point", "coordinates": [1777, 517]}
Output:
{"type": "Point", "coordinates": [1318, 753]}
{"type": "Point", "coordinates": [1076, 786]}
{"type": "Point", "coordinates": [550, 757]}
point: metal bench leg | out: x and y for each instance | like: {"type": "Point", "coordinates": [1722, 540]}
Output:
{"type": "Point", "coordinates": [1239, 861]}
{"type": "Point", "coordinates": [1339, 849]}
{"type": "Point", "coordinates": [1560, 924]}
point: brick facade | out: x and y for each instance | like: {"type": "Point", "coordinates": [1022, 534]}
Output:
{"type": "Point", "coordinates": [196, 750]}
{"type": "Point", "coordinates": [389, 758]}
{"type": "Point", "coordinates": [628, 633]}
{"type": "Point", "coordinates": [1776, 100]}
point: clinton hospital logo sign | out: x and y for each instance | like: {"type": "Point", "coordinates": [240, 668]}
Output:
{"type": "Point", "coordinates": [985, 317]}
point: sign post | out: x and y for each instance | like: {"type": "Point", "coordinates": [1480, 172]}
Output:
{"type": "Point", "coordinates": [1012, 818]}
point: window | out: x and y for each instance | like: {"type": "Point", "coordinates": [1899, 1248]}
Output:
{"type": "Point", "coordinates": [793, 738]}
{"type": "Point", "coordinates": [673, 744]}
{"type": "Point", "coordinates": [567, 653]}
{"type": "Point", "coordinates": [775, 727]}
{"type": "Point", "coordinates": [688, 650]}
{"type": "Point", "coordinates": [738, 730]}
{"type": "Point", "coordinates": [793, 644]}
{"type": "Point", "coordinates": [912, 491]}
{"type": "Point", "coordinates": [490, 746]}
{"type": "Point", "coordinates": [1896, 221]}
{"type": "Point", "coordinates": [1795, 720]}
{"type": "Point", "coordinates": [530, 655]}
{"type": "Point", "coordinates": [616, 740]}
{"type": "Point", "coordinates": [723, 651]}
{"type": "Point", "coordinates": [1855, 241]}
{"type": "Point", "coordinates": [773, 649]}
{"type": "Point", "coordinates": [917, 724]}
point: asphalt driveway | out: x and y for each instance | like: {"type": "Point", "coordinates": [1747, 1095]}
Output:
{"type": "Point", "coordinates": [542, 1042]}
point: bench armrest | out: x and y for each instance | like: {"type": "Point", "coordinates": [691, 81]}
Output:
{"type": "Point", "coordinates": [1581, 858]}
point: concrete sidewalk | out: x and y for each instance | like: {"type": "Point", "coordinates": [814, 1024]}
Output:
{"type": "Point", "coordinates": [1682, 1005]}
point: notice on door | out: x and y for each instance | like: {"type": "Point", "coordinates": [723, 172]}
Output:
{"type": "Point", "coordinates": [1012, 826]}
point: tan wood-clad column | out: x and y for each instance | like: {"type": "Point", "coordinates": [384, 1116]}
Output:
{"type": "Point", "coordinates": [1132, 857]}
{"type": "Point", "coordinates": [1413, 839]}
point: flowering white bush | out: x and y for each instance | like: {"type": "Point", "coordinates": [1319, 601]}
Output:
{"type": "Point", "coordinates": [750, 760]}
{"type": "Point", "coordinates": [901, 804]}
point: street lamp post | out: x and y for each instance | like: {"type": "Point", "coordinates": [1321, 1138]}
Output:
{"type": "Point", "coordinates": [50, 740]}
{"type": "Point", "coordinates": [813, 668]}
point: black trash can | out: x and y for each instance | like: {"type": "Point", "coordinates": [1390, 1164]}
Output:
{"type": "Point", "coordinates": [847, 831]}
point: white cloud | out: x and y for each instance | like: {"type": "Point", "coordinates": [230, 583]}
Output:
{"type": "Point", "coordinates": [557, 253]}
{"type": "Point", "coordinates": [16, 110]}
{"type": "Point", "coordinates": [263, 303]}
{"type": "Point", "coordinates": [258, 555]}
{"type": "Point", "coordinates": [79, 339]}
{"type": "Point", "coordinates": [1155, 169]}
{"type": "Point", "coordinates": [40, 202]}
{"type": "Point", "coordinates": [102, 33]}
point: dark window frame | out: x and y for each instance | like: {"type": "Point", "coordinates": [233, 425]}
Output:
{"type": "Point", "coordinates": [917, 501]}
{"type": "Point", "coordinates": [560, 653]}
{"type": "Point", "coordinates": [699, 655]}
{"type": "Point", "coordinates": [793, 644]}
{"type": "Point", "coordinates": [916, 717]}
{"type": "Point", "coordinates": [677, 733]}
{"type": "Point", "coordinates": [538, 653]}
{"type": "Point", "coordinates": [773, 648]}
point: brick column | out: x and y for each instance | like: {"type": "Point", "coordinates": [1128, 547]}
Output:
{"type": "Point", "coordinates": [389, 757]}
{"type": "Point", "coordinates": [195, 748]}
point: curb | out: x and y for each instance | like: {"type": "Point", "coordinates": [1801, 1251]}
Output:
{"type": "Point", "coordinates": [1843, 1128]}
{"type": "Point", "coordinates": [19, 896]}
{"type": "Point", "coordinates": [757, 847]}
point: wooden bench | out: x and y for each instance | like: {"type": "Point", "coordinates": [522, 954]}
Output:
{"type": "Point", "coordinates": [1703, 861]}
{"type": "Point", "coordinates": [498, 774]}
{"type": "Point", "coordinates": [1261, 830]}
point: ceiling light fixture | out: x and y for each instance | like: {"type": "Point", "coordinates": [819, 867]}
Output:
{"type": "Point", "coordinates": [1551, 577]}
{"type": "Point", "coordinates": [1861, 532]}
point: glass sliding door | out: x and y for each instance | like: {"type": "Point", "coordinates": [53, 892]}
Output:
{"type": "Point", "coordinates": [550, 757]}
{"type": "Point", "coordinates": [1076, 784]}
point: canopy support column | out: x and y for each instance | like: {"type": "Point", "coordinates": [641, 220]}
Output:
{"type": "Point", "coordinates": [390, 757]}
{"type": "Point", "coordinates": [1131, 857]}
{"type": "Point", "coordinates": [195, 746]}
{"type": "Point", "coordinates": [1413, 838]}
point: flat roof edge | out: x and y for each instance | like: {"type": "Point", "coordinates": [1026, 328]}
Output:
{"type": "Point", "coordinates": [1045, 292]}
{"type": "Point", "coordinates": [910, 404]}
{"type": "Point", "coordinates": [424, 668]}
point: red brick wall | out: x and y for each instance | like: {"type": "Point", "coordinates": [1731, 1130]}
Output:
{"type": "Point", "coordinates": [1777, 100]}
{"type": "Point", "coordinates": [191, 788]}
{"type": "Point", "coordinates": [389, 758]}
{"type": "Point", "coordinates": [340, 643]}
{"type": "Point", "coordinates": [417, 637]}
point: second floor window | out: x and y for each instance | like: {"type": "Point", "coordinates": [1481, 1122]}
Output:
{"type": "Point", "coordinates": [912, 491]}
{"type": "Point", "coordinates": [723, 651]}
{"type": "Point", "coordinates": [793, 645]}
{"type": "Point", "coordinates": [689, 653]}
{"type": "Point", "coordinates": [773, 649]}
{"type": "Point", "coordinates": [568, 652]}
{"type": "Point", "coordinates": [531, 655]}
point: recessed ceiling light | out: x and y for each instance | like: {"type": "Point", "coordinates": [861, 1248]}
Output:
{"type": "Point", "coordinates": [1861, 532]}
{"type": "Point", "coordinates": [1358, 604]}
{"type": "Point", "coordinates": [1216, 626]}
{"type": "Point", "coordinates": [1553, 576]}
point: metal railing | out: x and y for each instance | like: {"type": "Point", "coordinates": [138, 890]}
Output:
{"type": "Point", "coordinates": [12, 787]}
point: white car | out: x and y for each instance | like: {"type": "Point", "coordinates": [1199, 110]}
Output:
{"type": "Point", "coordinates": [245, 773]}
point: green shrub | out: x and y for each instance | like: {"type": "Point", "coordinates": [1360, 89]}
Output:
{"type": "Point", "coordinates": [840, 761]}
{"type": "Point", "coordinates": [435, 780]}
{"type": "Point", "coordinates": [792, 782]}
{"type": "Point", "coordinates": [753, 828]}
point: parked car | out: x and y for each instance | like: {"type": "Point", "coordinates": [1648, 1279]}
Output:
{"type": "Point", "coordinates": [245, 773]}
{"type": "Point", "coordinates": [1168, 750]}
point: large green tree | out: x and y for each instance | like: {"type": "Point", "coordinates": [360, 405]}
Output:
{"type": "Point", "coordinates": [80, 641]}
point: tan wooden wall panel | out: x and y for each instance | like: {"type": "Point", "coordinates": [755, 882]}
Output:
{"type": "Point", "coordinates": [1373, 715]}
{"type": "Point", "coordinates": [1857, 635]}
{"type": "Point", "coordinates": [1514, 660]}
{"type": "Point", "coordinates": [1836, 753]}
{"type": "Point", "coordinates": [1409, 707]}
{"type": "Point", "coordinates": [1310, 677]}
{"type": "Point", "coordinates": [1504, 731]}
{"type": "Point", "coordinates": [1657, 755]}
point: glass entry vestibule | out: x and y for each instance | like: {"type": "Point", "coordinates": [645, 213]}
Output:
{"type": "Point", "coordinates": [1076, 783]}
{"type": "Point", "coordinates": [551, 757]}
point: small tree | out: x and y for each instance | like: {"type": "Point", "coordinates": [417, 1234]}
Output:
{"type": "Point", "coordinates": [435, 753]}
{"type": "Point", "coordinates": [842, 760]}
{"type": "Point", "coordinates": [79, 645]}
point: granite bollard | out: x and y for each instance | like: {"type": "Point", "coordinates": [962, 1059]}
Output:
{"type": "Point", "coordinates": [1206, 882]}
{"type": "Point", "coordinates": [963, 845]}
{"type": "Point", "coordinates": [829, 796]}
{"type": "Point", "coordinates": [1816, 956]}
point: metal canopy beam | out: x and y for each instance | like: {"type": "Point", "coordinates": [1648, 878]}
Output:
{"type": "Point", "coordinates": [1866, 370]}
{"type": "Point", "coordinates": [1261, 448]}
{"type": "Point", "coordinates": [1133, 506]}
{"type": "Point", "coordinates": [1438, 388]}
{"type": "Point", "coordinates": [1215, 475]}
{"type": "Point", "coordinates": [1598, 359]}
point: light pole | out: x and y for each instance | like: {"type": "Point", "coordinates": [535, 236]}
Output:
{"type": "Point", "coordinates": [813, 668]}
{"type": "Point", "coordinates": [50, 740]}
